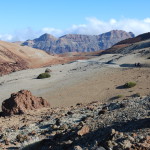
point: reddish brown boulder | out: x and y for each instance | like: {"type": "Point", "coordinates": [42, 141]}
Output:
{"type": "Point", "coordinates": [21, 102]}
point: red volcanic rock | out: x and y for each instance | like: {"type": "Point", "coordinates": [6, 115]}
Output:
{"type": "Point", "coordinates": [6, 68]}
{"type": "Point", "coordinates": [21, 102]}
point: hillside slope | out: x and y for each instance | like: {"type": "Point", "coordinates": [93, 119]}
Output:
{"type": "Point", "coordinates": [14, 57]}
{"type": "Point", "coordinates": [140, 44]}
{"type": "Point", "coordinates": [139, 38]}
{"type": "Point", "coordinates": [77, 42]}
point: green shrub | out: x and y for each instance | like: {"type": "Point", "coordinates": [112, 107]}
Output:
{"type": "Point", "coordinates": [119, 96]}
{"type": "Point", "coordinates": [43, 75]}
{"type": "Point", "coordinates": [129, 84]}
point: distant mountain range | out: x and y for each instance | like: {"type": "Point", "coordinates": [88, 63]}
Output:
{"type": "Point", "coordinates": [77, 42]}
{"type": "Point", "coordinates": [14, 57]}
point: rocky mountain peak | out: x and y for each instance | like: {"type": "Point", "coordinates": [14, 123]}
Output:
{"type": "Point", "coordinates": [132, 34]}
{"type": "Point", "coordinates": [46, 37]}
{"type": "Point", "coordinates": [118, 33]}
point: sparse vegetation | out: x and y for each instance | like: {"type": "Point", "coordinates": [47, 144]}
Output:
{"type": "Point", "coordinates": [119, 96]}
{"type": "Point", "coordinates": [129, 84]}
{"type": "Point", "coordinates": [43, 75]}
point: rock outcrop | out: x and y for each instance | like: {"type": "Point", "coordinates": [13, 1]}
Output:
{"type": "Point", "coordinates": [21, 102]}
{"type": "Point", "coordinates": [77, 42]}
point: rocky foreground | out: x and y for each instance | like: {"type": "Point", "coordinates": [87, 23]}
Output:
{"type": "Point", "coordinates": [117, 125]}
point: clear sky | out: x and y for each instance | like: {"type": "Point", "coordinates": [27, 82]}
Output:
{"type": "Point", "coordinates": [23, 19]}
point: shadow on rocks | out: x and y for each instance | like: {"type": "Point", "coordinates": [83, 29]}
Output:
{"type": "Point", "coordinates": [101, 135]}
{"type": "Point", "coordinates": [2, 114]}
{"type": "Point", "coordinates": [127, 65]}
{"type": "Point", "coordinates": [12, 148]}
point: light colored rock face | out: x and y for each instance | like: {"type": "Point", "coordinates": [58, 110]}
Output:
{"type": "Point", "coordinates": [77, 42]}
{"type": "Point", "coordinates": [21, 102]}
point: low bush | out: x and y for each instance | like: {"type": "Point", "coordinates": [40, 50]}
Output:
{"type": "Point", "coordinates": [129, 84]}
{"type": "Point", "coordinates": [119, 96]}
{"type": "Point", "coordinates": [43, 75]}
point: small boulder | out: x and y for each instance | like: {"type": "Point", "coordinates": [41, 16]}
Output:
{"type": "Point", "coordinates": [48, 70]}
{"type": "Point", "coordinates": [77, 148]}
{"type": "Point", "coordinates": [84, 130]}
{"type": "Point", "coordinates": [21, 102]}
{"type": "Point", "coordinates": [100, 148]}
{"type": "Point", "coordinates": [101, 112]}
{"type": "Point", "coordinates": [126, 144]}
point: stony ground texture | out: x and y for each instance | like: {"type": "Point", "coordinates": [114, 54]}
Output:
{"type": "Point", "coordinates": [117, 125]}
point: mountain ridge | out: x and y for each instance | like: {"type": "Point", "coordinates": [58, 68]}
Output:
{"type": "Point", "coordinates": [78, 42]}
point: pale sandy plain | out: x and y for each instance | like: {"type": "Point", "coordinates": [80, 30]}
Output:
{"type": "Point", "coordinates": [82, 81]}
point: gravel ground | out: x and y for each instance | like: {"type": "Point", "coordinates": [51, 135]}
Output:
{"type": "Point", "coordinates": [120, 124]}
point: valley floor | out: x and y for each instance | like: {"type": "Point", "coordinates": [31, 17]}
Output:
{"type": "Point", "coordinates": [81, 81]}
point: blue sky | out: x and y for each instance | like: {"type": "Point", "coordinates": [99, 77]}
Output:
{"type": "Point", "coordinates": [23, 19]}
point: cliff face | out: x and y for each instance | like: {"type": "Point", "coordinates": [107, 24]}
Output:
{"type": "Point", "coordinates": [77, 42]}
